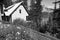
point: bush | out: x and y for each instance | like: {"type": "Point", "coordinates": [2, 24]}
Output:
{"type": "Point", "coordinates": [12, 33]}
{"type": "Point", "coordinates": [31, 24]}
{"type": "Point", "coordinates": [20, 22]}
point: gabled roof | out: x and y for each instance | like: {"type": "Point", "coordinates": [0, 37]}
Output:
{"type": "Point", "coordinates": [14, 7]}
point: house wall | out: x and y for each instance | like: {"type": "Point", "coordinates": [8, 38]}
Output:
{"type": "Point", "coordinates": [19, 13]}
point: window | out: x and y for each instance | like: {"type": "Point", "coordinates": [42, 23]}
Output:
{"type": "Point", "coordinates": [20, 11]}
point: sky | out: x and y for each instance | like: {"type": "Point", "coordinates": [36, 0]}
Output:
{"type": "Point", "coordinates": [48, 3]}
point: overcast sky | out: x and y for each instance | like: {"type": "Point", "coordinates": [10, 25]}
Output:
{"type": "Point", "coordinates": [48, 3]}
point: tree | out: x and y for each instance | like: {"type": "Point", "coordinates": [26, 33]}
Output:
{"type": "Point", "coordinates": [35, 13]}
{"type": "Point", "coordinates": [7, 3]}
{"type": "Point", "coordinates": [10, 2]}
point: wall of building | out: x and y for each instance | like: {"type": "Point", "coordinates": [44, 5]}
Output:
{"type": "Point", "coordinates": [18, 15]}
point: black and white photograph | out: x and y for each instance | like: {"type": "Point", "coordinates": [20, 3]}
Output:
{"type": "Point", "coordinates": [29, 19]}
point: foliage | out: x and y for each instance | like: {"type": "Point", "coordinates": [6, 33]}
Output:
{"type": "Point", "coordinates": [20, 22]}
{"type": "Point", "coordinates": [35, 12]}
{"type": "Point", "coordinates": [13, 33]}
{"type": "Point", "coordinates": [31, 25]}
{"type": "Point", "coordinates": [7, 3]}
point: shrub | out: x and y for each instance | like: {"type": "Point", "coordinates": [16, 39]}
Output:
{"type": "Point", "coordinates": [12, 33]}
{"type": "Point", "coordinates": [20, 22]}
{"type": "Point", "coordinates": [31, 24]}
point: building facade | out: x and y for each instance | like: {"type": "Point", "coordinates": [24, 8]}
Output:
{"type": "Point", "coordinates": [16, 11]}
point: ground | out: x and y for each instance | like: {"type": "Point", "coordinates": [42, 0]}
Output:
{"type": "Point", "coordinates": [14, 32]}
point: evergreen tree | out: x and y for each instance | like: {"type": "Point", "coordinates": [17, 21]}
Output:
{"type": "Point", "coordinates": [7, 3]}
{"type": "Point", "coordinates": [35, 13]}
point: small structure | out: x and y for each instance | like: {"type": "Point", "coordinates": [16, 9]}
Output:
{"type": "Point", "coordinates": [15, 11]}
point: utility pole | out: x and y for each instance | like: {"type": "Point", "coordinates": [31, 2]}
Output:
{"type": "Point", "coordinates": [1, 10]}
{"type": "Point", "coordinates": [56, 2]}
{"type": "Point", "coordinates": [59, 4]}
{"type": "Point", "coordinates": [56, 13]}
{"type": "Point", "coordinates": [55, 5]}
{"type": "Point", "coordinates": [1, 6]}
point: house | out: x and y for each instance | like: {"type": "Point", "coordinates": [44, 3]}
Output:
{"type": "Point", "coordinates": [15, 11]}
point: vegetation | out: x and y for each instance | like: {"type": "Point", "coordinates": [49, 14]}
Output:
{"type": "Point", "coordinates": [31, 25]}
{"type": "Point", "coordinates": [11, 32]}
{"type": "Point", "coordinates": [35, 16]}
{"type": "Point", "coordinates": [35, 13]}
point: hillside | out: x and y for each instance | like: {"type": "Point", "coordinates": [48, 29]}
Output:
{"type": "Point", "coordinates": [14, 32]}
